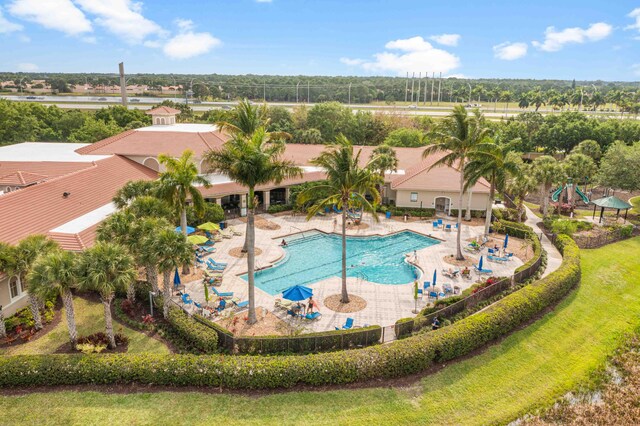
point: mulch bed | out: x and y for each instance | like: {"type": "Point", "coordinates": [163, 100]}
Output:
{"type": "Point", "coordinates": [468, 260]}
{"type": "Point", "coordinates": [262, 223]}
{"type": "Point", "coordinates": [268, 324]}
{"type": "Point", "coordinates": [237, 252]}
{"type": "Point", "coordinates": [68, 349]}
{"type": "Point", "coordinates": [358, 227]}
{"type": "Point", "coordinates": [356, 304]}
{"type": "Point", "coordinates": [31, 335]}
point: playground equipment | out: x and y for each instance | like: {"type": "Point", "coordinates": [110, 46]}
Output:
{"type": "Point", "coordinates": [569, 186]}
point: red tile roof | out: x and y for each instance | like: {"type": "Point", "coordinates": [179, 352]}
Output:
{"type": "Point", "coordinates": [153, 143]}
{"type": "Point", "coordinates": [76, 242]}
{"type": "Point", "coordinates": [163, 110]}
{"type": "Point", "coordinates": [50, 169]}
{"type": "Point", "coordinates": [40, 208]}
{"type": "Point", "coordinates": [21, 178]}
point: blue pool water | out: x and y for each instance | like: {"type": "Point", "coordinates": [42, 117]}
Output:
{"type": "Point", "coordinates": [317, 256]}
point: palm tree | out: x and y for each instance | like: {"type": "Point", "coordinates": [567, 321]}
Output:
{"type": "Point", "coordinates": [149, 206]}
{"type": "Point", "coordinates": [246, 118]}
{"type": "Point", "coordinates": [252, 161]}
{"type": "Point", "coordinates": [145, 247]}
{"type": "Point", "coordinates": [54, 274]}
{"type": "Point", "coordinates": [20, 261]}
{"type": "Point", "coordinates": [496, 163]}
{"type": "Point", "coordinates": [578, 167]}
{"type": "Point", "coordinates": [172, 250]}
{"type": "Point", "coordinates": [457, 136]}
{"type": "Point", "coordinates": [347, 185]}
{"type": "Point", "coordinates": [384, 159]}
{"type": "Point", "coordinates": [178, 183]}
{"type": "Point", "coordinates": [105, 268]}
{"type": "Point", "coordinates": [132, 190]}
{"type": "Point", "coordinates": [519, 186]}
{"type": "Point", "coordinates": [546, 172]}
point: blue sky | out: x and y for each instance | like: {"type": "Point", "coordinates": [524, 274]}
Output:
{"type": "Point", "coordinates": [543, 39]}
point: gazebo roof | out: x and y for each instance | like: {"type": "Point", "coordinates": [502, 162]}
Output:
{"type": "Point", "coordinates": [612, 203]}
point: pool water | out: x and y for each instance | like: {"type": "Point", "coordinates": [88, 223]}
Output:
{"type": "Point", "coordinates": [312, 257]}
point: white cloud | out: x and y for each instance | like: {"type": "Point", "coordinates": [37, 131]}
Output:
{"type": "Point", "coordinates": [60, 15]}
{"type": "Point", "coordinates": [416, 55]}
{"type": "Point", "coordinates": [190, 44]}
{"type": "Point", "coordinates": [555, 40]}
{"type": "Point", "coordinates": [446, 39]}
{"type": "Point", "coordinates": [27, 67]}
{"type": "Point", "coordinates": [510, 51]}
{"type": "Point", "coordinates": [122, 18]}
{"type": "Point", "coordinates": [184, 24]}
{"type": "Point", "coordinates": [263, 1]}
{"type": "Point", "coordinates": [6, 26]}
{"type": "Point", "coordinates": [351, 62]}
{"type": "Point", "coordinates": [635, 14]}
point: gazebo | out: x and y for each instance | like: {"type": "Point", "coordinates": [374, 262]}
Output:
{"type": "Point", "coordinates": [610, 203]}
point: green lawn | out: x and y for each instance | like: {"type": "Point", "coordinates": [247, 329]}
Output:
{"type": "Point", "coordinates": [90, 319]}
{"type": "Point", "coordinates": [636, 205]}
{"type": "Point", "coordinates": [526, 370]}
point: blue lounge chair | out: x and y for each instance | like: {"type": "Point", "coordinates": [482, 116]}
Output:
{"type": "Point", "coordinates": [223, 294]}
{"type": "Point", "coordinates": [313, 315]}
{"type": "Point", "coordinates": [447, 227]}
{"type": "Point", "coordinates": [214, 267]}
{"type": "Point", "coordinates": [214, 263]}
{"type": "Point", "coordinates": [348, 324]}
{"type": "Point", "coordinates": [497, 259]}
{"type": "Point", "coordinates": [241, 305]}
{"type": "Point", "coordinates": [433, 295]}
{"type": "Point", "coordinates": [435, 224]}
{"type": "Point", "coordinates": [221, 305]}
{"type": "Point", "coordinates": [199, 261]}
{"type": "Point", "coordinates": [491, 251]}
{"type": "Point", "coordinates": [440, 222]}
{"type": "Point", "coordinates": [424, 290]}
{"type": "Point", "coordinates": [186, 300]}
{"type": "Point", "coordinates": [208, 249]}
{"type": "Point", "coordinates": [483, 270]}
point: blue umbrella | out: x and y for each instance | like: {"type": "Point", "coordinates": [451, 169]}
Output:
{"type": "Point", "coordinates": [435, 276]}
{"type": "Point", "coordinates": [480, 263]}
{"type": "Point", "coordinates": [176, 278]}
{"type": "Point", "coordinates": [297, 293]}
{"type": "Point", "coordinates": [190, 230]}
{"type": "Point", "coordinates": [506, 241]}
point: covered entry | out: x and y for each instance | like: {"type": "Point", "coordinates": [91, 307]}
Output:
{"type": "Point", "coordinates": [442, 204]}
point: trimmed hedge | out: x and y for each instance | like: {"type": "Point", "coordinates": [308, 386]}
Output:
{"type": "Point", "coordinates": [403, 357]}
{"type": "Point", "coordinates": [277, 208]}
{"type": "Point", "coordinates": [474, 213]}
{"type": "Point", "coordinates": [412, 211]}
{"type": "Point", "coordinates": [306, 343]}
{"type": "Point", "coordinates": [192, 331]}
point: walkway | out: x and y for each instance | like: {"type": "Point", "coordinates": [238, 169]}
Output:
{"type": "Point", "coordinates": [554, 258]}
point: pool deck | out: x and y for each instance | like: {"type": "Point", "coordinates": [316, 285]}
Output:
{"type": "Point", "coordinates": [385, 303]}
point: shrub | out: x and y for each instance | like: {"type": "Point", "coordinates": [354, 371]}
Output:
{"type": "Point", "coordinates": [200, 336]}
{"type": "Point", "coordinates": [411, 211]}
{"type": "Point", "coordinates": [565, 227]}
{"type": "Point", "coordinates": [474, 213]}
{"type": "Point", "coordinates": [277, 208]}
{"type": "Point", "coordinates": [23, 318]}
{"type": "Point", "coordinates": [100, 339]}
{"type": "Point", "coordinates": [626, 231]}
{"type": "Point", "coordinates": [212, 213]}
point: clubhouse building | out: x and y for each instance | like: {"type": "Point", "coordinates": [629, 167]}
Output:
{"type": "Point", "coordinates": [64, 190]}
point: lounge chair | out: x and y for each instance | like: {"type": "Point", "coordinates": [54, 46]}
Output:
{"type": "Point", "coordinates": [447, 227]}
{"type": "Point", "coordinates": [208, 249]}
{"type": "Point", "coordinates": [241, 305]}
{"type": "Point", "coordinates": [213, 262]}
{"type": "Point", "coordinates": [186, 300]}
{"type": "Point", "coordinates": [497, 259]}
{"type": "Point", "coordinates": [447, 288]}
{"type": "Point", "coordinates": [217, 238]}
{"type": "Point", "coordinates": [223, 294]}
{"type": "Point", "coordinates": [452, 274]}
{"type": "Point", "coordinates": [226, 234]}
{"type": "Point", "coordinates": [483, 270]}
{"type": "Point", "coordinates": [435, 225]}
{"type": "Point", "coordinates": [348, 324]}
{"type": "Point", "coordinates": [234, 231]}
{"type": "Point", "coordinates": [440, 223]}
{"type": "Point", "coordinates": [424, 290]}
{"type": "Point", "coordinates": [283, 304]}
{"type": "Point", "coordinates": [433, 295]}
{"type": "Point", "coordinates": [313, 316]}
{"type": "Point", "coordinates": [221, 305]}
{"type": "Point", "coordinates": [214, 267]}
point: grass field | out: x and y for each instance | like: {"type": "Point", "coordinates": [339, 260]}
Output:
{"type": "Point", "coordinates": [89, 319]}
{"type": "Point", "coordinates": [526, 370]}
{"type": "Point", "coordinates": [636, 205]}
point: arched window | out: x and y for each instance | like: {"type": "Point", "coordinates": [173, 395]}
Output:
{"type": "Point", "coordinates": [14, 290]}
{"type": "Point", "coordinates": [151, 163]}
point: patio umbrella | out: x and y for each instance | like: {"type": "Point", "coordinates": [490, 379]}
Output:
{"type": "Point", "coordinates": [480, 263]}
{"type": "Point", "coordinates": [435, 277]}
{"type": "Point", "coordinates": [506, 241]}
{"type": "Point", "coordinates": [297, 293]}
{"type": "Point", "coordinates": [209, 226]}
{"type": "Point", "coordinates": [197, 239]}
{"type": "Point", "coordinates": [176, 278]}
{"type": "Point", "coordinates": [190, 230]}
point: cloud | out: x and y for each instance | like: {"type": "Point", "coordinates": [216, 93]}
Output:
{"type": "Point", "coordinates": [59, 15]}
{"type": "Point", "coordinates": [352, 62]}
{"type": "Point", "coordinates": [555, 40]}
{"type": "Point", "coordinates": [6, 26]}
{"type": "Point", "coordinates": [635, 14]}
{"type": "Point", "coordinates": [510, 51]}
{"type": "Point", "coordinates": [122, 18]}
{"type": "Point", "coordinates": [264, 1]}
{"type": "Point", "coordinates": [27, 67]}
{"type": "Point", "coordinates": [446, 39]}
{"type": "Point", "coordinates": [190, 44]}
{"type": "Point", "coordinates": [416, 55]}
{"type": "Point", "coordinates": [184, 24]}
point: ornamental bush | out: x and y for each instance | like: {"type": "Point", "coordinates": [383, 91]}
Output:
{"type": "Point", "coordinates": [197, 334]}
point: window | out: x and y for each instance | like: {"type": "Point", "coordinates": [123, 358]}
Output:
{"type": "Point", "coordinates": [414, 197]}
{"type": "Point", "coordinates": [23, 286]}
{"type": "Point", "coordinates": [13, 287]}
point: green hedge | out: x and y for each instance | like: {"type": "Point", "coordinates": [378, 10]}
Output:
{"type": "Point", "coordinates": [474, 213]}
{"type": "Point", "coordinates": [305, 343]}
{"type": "Point", "coordinates": [412, 211]}
{"type": "Point", "coordinates": [193, 331]}
{"type": "Point", "coordinates": [403, 357]}
{"type": "Point", "coordinates": [277, 208]}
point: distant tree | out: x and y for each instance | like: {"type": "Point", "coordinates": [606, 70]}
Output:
{"type": "Point", "coordinates": [186, 113]}
{"type": "Point", "coordinates": [94, 130]}
{"type": "Point", "coordinates": [406, 138]}
{"type": "Point", "coordinates": [308, 136]}
{"type": "Point", "coordinates": [589, 148]}
{"type": "Point", "coordinates": [620, 167]}
{"type": "Point", "coordinates": [546, 171]}
{"type": "Point", "coordinates": [331, 119]}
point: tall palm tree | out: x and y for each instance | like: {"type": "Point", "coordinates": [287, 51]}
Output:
{"type": "Point", "coordinates": [519, 186]}
{"type": "Point", "coordinates": [578, 167]}
{"type": "Point", "coordinates": [347, 185]}
{"type": "Point", "coordinates": [246, 118]}
{"type": "Point", "coordinates": [179, 183]}
{"type": "Point", "coordinates": [145, 247]}
{"type": "Point", "coordinates": [55, 274]}
{"type": "Point", "coordinates": [496, 163]}
{"type": "Point", "coordinates": [252, 161]}
{"type": "Point", "coordinates": [457, 136]}
{"type": "Point", "coordinates": [105, 268]}
{"type": "Point", "coordinates": [20, 261]}
{"type": "Point", "coordinates": [384, 159]}
{"type": "Point", "coordinates": [132, 190]}
{"type": "Point", "coordinates": [172, 250]}
{"type": "Point", "coordinates": [149, 206]}
{"type": "Point", "coordinates": [547, 172]}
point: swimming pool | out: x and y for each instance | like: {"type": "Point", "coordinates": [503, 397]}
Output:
{"type": "Point", "coordinates": [312, 257]}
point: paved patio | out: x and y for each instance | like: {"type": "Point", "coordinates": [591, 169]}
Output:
{"type": "Point", "coordinates": [385, 303]}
